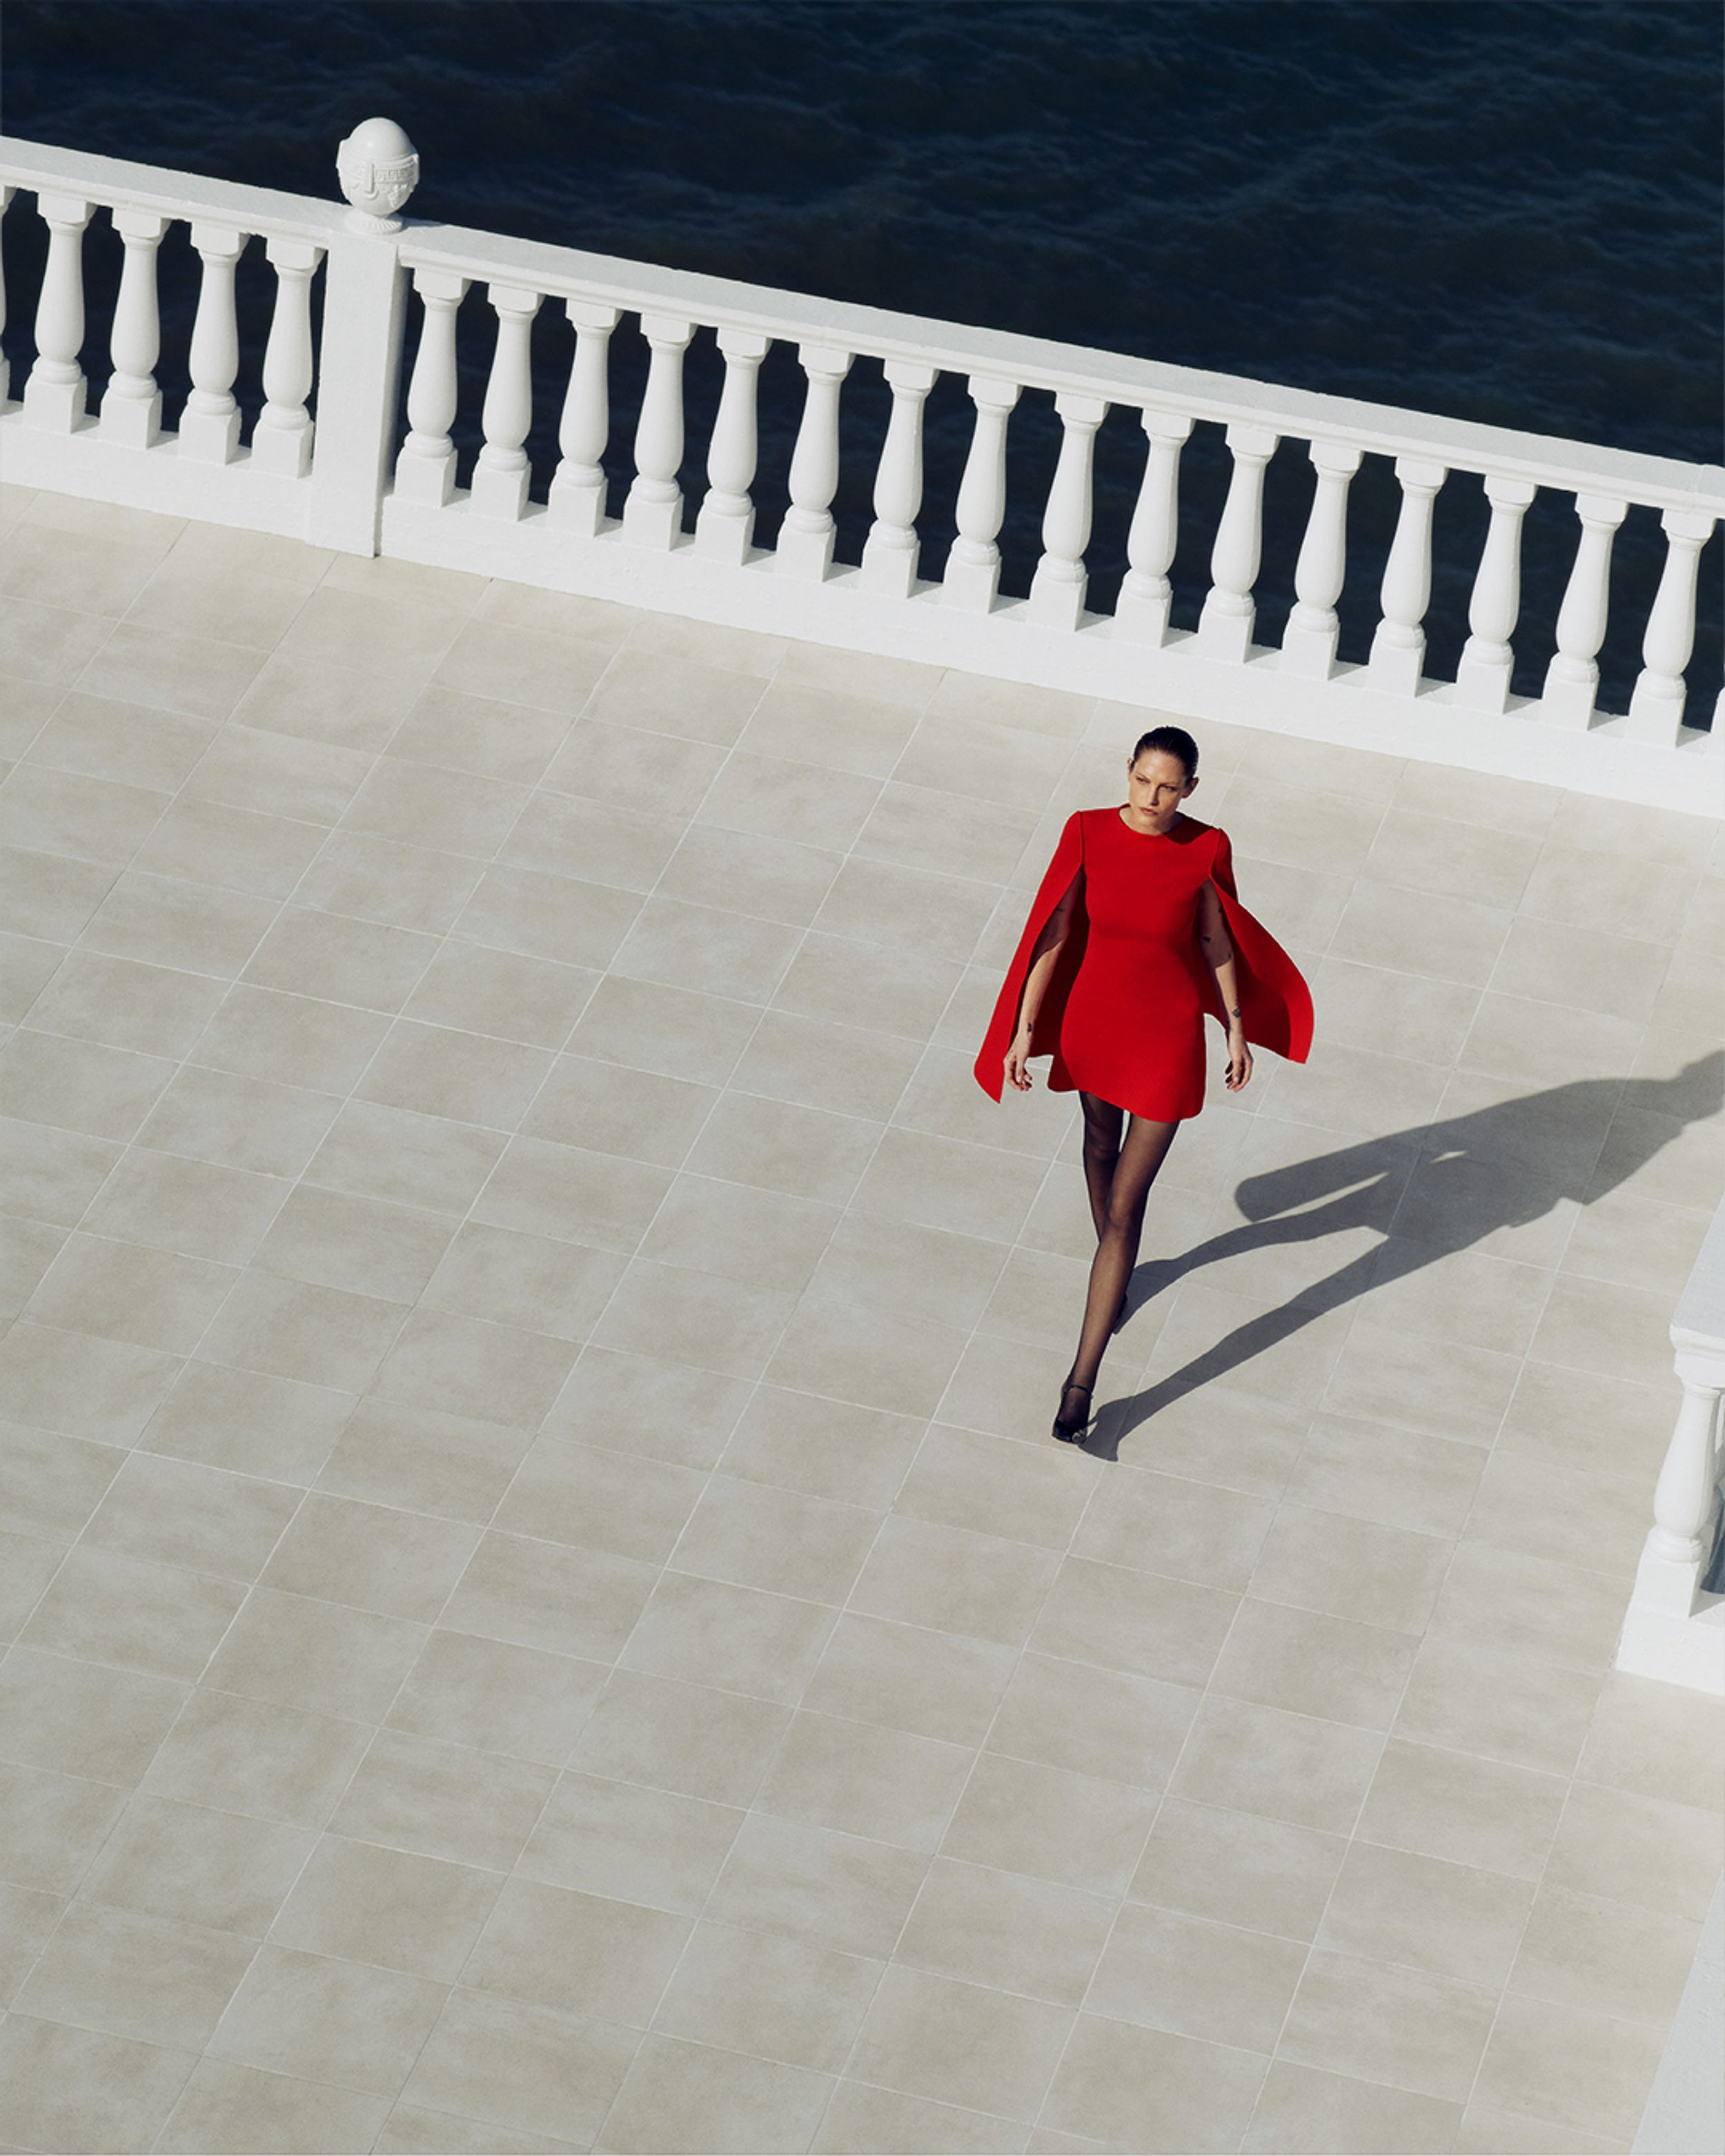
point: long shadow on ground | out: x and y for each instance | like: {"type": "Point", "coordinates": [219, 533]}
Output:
{"type": "Point", "coordinates": [1430, 1191]}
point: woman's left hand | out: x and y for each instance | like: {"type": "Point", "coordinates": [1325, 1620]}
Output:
{"type": "Point", "coordinates": [1239, 1059]}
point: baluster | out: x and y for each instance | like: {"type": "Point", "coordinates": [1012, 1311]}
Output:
{"type": "Point", "coordinates": [807, 535]}
{"type": "Point", "coordinates": [6, 194]}
{"type": "Point", "coordinates": [1398, 653]}
{"type": "Point", "coordinates": [1224, 628]}
{"type": "Point", "coordinates": [1142, 611]}
{"type": "Point", "coordinates": [972, 574]}
{"type": "Point", "coordinates": [1487, 659]}
{"type": "Point", "coordinates": [281, 440]}
{"type": "Point", "coordinates": [209, 425]}
{"type": "Point", "coordinates": [131, 403]}
{"type": "Point", "coordinates": [1057, 588]}
{"type": "Point", "coordinates": [54, 393]}
{"type": "Point", "coordinates": [1686, 1497]}
{"type": "Point", "coordinates": [888, 560]}
{"type": "Point", "coordinates": [425, 470]}
{"type": "Point", "coordinates": [578, 487]}
{"type": "Point", "coordinates": [1655, 710]}
{"type": "Point", "coordinates": [1308, 643]}
{"type": "Point", "coordinates": [653, 514]}
{"type": "Point", "coordinates": [1572, 680]}
{"type": "Point", "coordinates": [724, 529]}
{"type": "Point", "coordinates": [500, 476]}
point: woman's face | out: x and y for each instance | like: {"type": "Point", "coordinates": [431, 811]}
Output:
{"type": "Point", "coordinates": [1156, 785]}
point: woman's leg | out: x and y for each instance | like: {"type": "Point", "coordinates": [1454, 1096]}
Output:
{"type": "Point", "coordinates": [1103, 1123]}
{"type": "Point", "coordinates": [1142, 1151]}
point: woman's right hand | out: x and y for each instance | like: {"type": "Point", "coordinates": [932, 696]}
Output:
{"type": "Point", "coordinates": [1017, 1061]}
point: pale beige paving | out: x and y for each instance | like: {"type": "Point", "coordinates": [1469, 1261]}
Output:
{"type": "Point", "coordinates": [543, 1612]}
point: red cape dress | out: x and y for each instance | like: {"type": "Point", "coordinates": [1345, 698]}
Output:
{"type": "Point", "coordinates": [1123, 1016]}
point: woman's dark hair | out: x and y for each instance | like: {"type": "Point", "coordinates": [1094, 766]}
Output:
{"type": "Point", "coordinates": [1170, 741]}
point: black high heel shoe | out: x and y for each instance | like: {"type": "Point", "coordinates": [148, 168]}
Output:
{"type": "Point", "coordinates": [1069, 1432]}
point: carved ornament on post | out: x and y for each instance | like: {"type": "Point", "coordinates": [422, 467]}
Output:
{"type": "Point", "coordinates": [379, 169]}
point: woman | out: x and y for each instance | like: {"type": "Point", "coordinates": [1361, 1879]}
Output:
{"type": "Point", "coordinates": [1136, 931]}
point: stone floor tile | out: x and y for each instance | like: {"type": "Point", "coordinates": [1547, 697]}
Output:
{"type": "Point", "coordinates": [420, 1461]}
{"type": "Point", "coordinates": [231, 2111]}
{"type": "Point", "coordinates": [1604, 1957]}
{"type": "Point", "coordinates": [257, 1757]}
{"type": "Point", "coordinates": [862, 2120]}
{"type": "Point", "coordinates": [517, 2072]}
{"type": "Point", "coordinates": [1164, 1970]}
{"type": "Point", "coordinates": [1239, 1869]}
{"type": "Point", "coordinates": [134, 1976]}
{"type": "Point", "coordinates": [370, 1556]}
{"type": "Point", "coordinates": [708, 1632]}
{"type": "Point", "coordinates": [496, 1696]}
{"type": "Point", "coordinates": [180, 1862]}
{"type": "Point", "coordinates": [684, 2098]}
{"type": "Point", "coordinates": [639, 1403]}
{"type": "Point", "coordinates": [752, 1534]}
{"type": "Point", "coordinates": [66, 2086]}
{"type": "Point", "coordinates": [1074, 1830]}
{"type": "Point", "coordinates": [1523, 1712]}
{"type": "Point", "coordinates": [1310, 1664]}
{"type": "Point", "coordinates": [1144, 2089]}
{"type": "Point", "coordinates": [651, 1846]}
{"type": "Point", "coordinates": [1093, 1720]}
{"type": "Point", "coordinates": [821, 1448]}
{"type": "Point", "coordinates": [771, 1998]}
{"type": "Point", "coordinates": [1380, 2023]}
{"type": "Point", "coordinates": [441, 1800]}
{"type": "Point", "coordinates": [539, 1595]}
{"type": "Point", "coordinates": [577, 1954]}
{"type": "Point", "coordinates": [1242, 1757]}
{"type": "Point", "coordinates": [249, 1423]}
{"type": "Point", "coordinates": [195, 1208]}
{"type": "Point", "coordinates": [1302, 2108]}
{"type": "Point", "coordinates": [415, 1913]}
{"type": "Point", "coordinates": [290, 1651]}
{"type": "Point", "coordinates": [51, 1826]}
{"type": "Point", "coordinates": [1422, 1912]}
{"type": "Point", "coordinates": [341, 2022]}
{"type": "Point", "coordinates": [687, 1738]}
{"type": "Point", "coordinates": [1485, 2131]}
{"type": "Point", "coordinates": [1580, 2069]}
{"type": "Point", "coordinates": [1619, 1846]}
{"type": "Point", "coordinates": [957, 2043]}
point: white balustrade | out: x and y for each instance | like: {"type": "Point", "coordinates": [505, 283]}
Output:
{"type": "Point", "coordinates": [6, 195]}
{"type": "Point", "coordinates": [281, 441]}
{"type": "Point", "coordinates": [1656, 711]}
{"type": "Point", "coordinates": [131, 403]}
{"type": "Point", "coordinates": [576, 501]}
{"type": "Point", "coordinates": [425, 471]}
{"type": "Point", "coordinates": [55, 392]}
{"type": "Point", "coordinates": [1488, 657]}
{"type": "Point", "coordinates": [1572, 680]}
{"type": "Point", "coordinates": [653, 515]}
{"type": "Point", "coordinates": [500, 476]}
{"type": "Point", "coordinates": [1397, 654]}
{"type": "Point", "coordinates": [1308, 643]}
{"type": "Point", "coordinates": [808, 534]}
{"type": "Point", "coordinates": [1224, 628]}
{"type": "Point", "coordinates": [972, 578]}
{"type": "Point", "coordinates": [890, 555]}
{"type": "Point", "coordinates": [1057, 588]}
{"type": "Point", "coordinates": [209, 425]}
{"type": "Point", "coordinates": [1675, 1629]}
{"type": "Point", "coordinates": [1140, 613]}
{"type": "Point", "coordinates": [724, 527]}
{"type": "Point", "coordinates": [331, 485]}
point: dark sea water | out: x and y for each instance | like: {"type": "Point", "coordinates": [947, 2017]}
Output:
{"type": "Point", "coordinates": [1501, 210]}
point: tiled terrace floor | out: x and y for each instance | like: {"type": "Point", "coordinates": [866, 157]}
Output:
{"type": "Point", "coordinates": [547, 1615]}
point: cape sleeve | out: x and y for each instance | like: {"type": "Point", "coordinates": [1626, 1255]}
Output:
{"type": "Point", "coordinates": [1067, 863]}
{"type": "Point", "coordinates": [1275, 1003]}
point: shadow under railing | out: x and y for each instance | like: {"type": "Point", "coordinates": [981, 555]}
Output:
{"type": "Point", "coordinates": [1430, 1191]}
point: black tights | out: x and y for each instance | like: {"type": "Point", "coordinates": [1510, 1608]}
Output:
{"type": "Point", "coordinates": [1119, 1171]}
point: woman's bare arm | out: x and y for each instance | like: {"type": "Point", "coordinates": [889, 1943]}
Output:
{"type": "Point", "coordinates": [1043, 961]}
{"type": "Point", "coordinates": [1218, 948]}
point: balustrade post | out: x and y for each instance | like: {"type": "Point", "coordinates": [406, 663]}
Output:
{"type": "Point", "coordinates": [1058, 587]}
{"type": "Point", "coordinates": [281, 440]}
{"type": "Point", "coordinates": [425, 470]}
{"type": "Point", "coordinates": [576, 501]}
{"type": "Point", "coordinates": [1141, 613]}
{"type": "Point", "coordinates": [888, 560]}
{"type": "Point", "coordinates": [209, 424]}
{"type": "Point", "coordinates": [54, 390]}
{"type": "Point", "coordinates": [1487, 657]}
{"type": "Point", "coordinates": [131, 403]}
{"type": "Point", "coordinates": [973, 577]}
{"type": "Point", "coordinates": [1572, 680]}
{"type": "Point", "coordinates": [1397, 654]}
{"type": "Point", "coordinates": [1308, 643]}
{"type": "Point", "coordinates": [1686, 1499]}
{"type": "Point", "coordinates": [500, 476]}
{"type": "Point", "coordinates": [724, 527]}
{"type": "Point", "coordinates": [1655, 710]}
{"type": "Point", "coordinates": [359, 353]}
{"type": "Point", "coordinates": [807, 537]}
{"type": "Point", "coordinates": [1224, 628]}
{"type": "Point", "coordinates": [653, 514]}
{"type": "Point", "coordinates": [6, 195]}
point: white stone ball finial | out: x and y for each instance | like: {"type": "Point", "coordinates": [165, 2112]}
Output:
{"type": "Point", "coordinates": [379, 169]}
